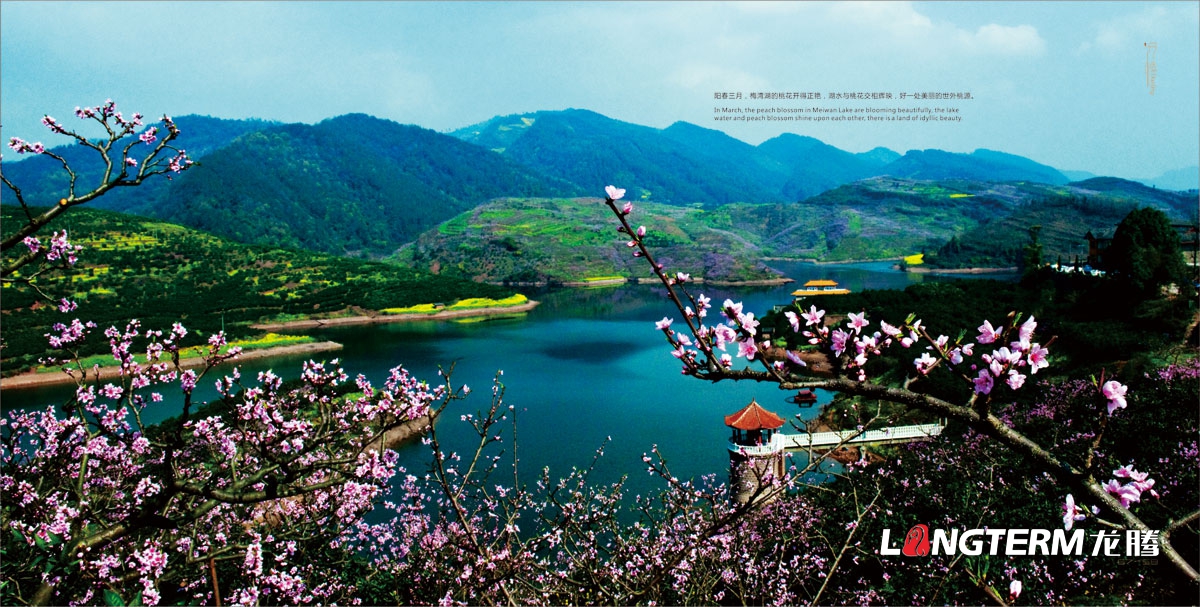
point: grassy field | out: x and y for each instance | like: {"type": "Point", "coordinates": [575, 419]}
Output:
{"type": "Point", "coordinates": [471, 303]}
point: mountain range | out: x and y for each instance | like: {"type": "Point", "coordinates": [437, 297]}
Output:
{"type": "Point", "coordinates": [362, 186]}
{"type": "Point", "coordinates": [685, 163]}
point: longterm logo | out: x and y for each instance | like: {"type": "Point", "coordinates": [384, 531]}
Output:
{"type": "Point", "coordinates": [1020, 542]}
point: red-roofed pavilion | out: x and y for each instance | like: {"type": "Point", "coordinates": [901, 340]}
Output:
{"type": "Point", "coordinates": [753, 425]}
{"type": "Point", "coordinates": [755, 453]}
{"type": "Point", "coordinates": [754, 417]}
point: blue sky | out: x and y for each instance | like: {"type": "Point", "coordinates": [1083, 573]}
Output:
{"type": "Point", "coordinates": [1062, 83]}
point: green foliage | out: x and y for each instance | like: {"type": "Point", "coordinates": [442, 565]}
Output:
{"type": "Point", "coordinates": [1145, 252]}
{"type": "Point", "coordinates": [1032, 258]}
{"type": "Point", "coordinates": [162, 273]}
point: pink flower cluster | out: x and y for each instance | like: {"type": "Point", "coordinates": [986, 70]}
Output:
{"type": "Point", "coordinates": [211, 483]}
{"type": "Point", "coordinates": [102, 113]}
{"type": "Point", "coordinates": [21, 146]}
{"type": "Point", "coordinates": [1127, 493]}
{"type": "Point", "coordinates": [1022, 352]}
{"type": "Point", "coordinates": [1130, 492]}
{"type": "Point", "coordinates": [741, 329]}
{"type": "Point", "coordinates": [60, 247]}
{"type": "Point", "coordinates": [179, 162]}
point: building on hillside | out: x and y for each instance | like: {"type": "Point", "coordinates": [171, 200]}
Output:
{"type": "Point", "coordinates": [1096, 248]}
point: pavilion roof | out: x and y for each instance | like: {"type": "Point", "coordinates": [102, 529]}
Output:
{"type": "Point", "coordinates": [753, 417]}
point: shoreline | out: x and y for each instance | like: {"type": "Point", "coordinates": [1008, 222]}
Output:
{"type": "Point", "coordinates": [407, 431]}
{"type": "Point", "coordinates": [830, 263]}
{"type": "Point", "coordinates": [320, 323]}
{"type": "Point", "coordinates": [643, 280]}
{"type": "Point", "coordinates": [620, 280]}
{"type": "Point", "coordinates": [760, 282]}
{"type": "Point", "coordinates": [926, 270]}
{"type": "Point", "coordinates": [765, 282]}
{"type": "Point", "coordinates": [33, 379]}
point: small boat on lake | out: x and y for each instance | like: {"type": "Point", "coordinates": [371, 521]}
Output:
{"type": "Point", "coordinates": [820, 287]}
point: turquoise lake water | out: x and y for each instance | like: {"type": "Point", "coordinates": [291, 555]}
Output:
{"type": "Point", "coordinates": [584, 365]}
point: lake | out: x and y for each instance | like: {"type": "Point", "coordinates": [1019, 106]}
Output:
{"type": "Point", "coordinates": [584, 365]}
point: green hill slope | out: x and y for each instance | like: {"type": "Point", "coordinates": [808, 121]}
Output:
{"type": "Point", "coordinates": [966, 222]}
{"type": "Point", "coordinates": [563, 240]}
{"type": "Point", "coordinates": [592, 150]}
{"type": "Point", "coordinates": [43, 182]}
{"type": "Point", "coordinates": [1065, 214]}
{"type": "Point", "coordinates": [352, 185]}
{"type": "Point", "coordinates": [983, 165]}
{"type": "Point", "coordinates": [814, 166]}
{"type": "Point", "coordinates": [161, 273]}
{"type": "Point", "coordinates": [875, 218]}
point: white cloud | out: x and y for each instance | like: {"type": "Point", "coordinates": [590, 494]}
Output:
{"type": "Point", "coordinates": [900, 26]}
{"type": "Point", "coordinates": [1005, 40]}
{"type": "Point", "coordinates": [897, 17]}
{"type": "Point", "coordinates": [1151, 24]}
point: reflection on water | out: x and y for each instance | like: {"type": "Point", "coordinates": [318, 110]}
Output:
{"type": "Point", "coordinates": [584, 365]}
{"type": "Point", "coordinates": [597, 352]}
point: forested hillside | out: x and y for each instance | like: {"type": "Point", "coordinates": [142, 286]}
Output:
{"type": "Point", "coordinates": [43, 181]}
{"type": "Point", "coordinates": [1064, 214]}
{"type": "Point", "coordinates": [352, 185]}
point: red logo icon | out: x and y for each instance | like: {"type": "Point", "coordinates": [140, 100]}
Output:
{"type": "Point", "coordinates": [916, 541]}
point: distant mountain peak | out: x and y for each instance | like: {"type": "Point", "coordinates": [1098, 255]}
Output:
{"type": "Point", "coordinates": [982, 164]}
{"type": "Point", "coordinates": [879, 155]}
{"type": "Point", "coordinates": [1187, 178]}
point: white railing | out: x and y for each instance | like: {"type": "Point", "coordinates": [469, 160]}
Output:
{"type": "Point", "coordinates": [886, 435]}
{"type": "Point", "coordinates": [775, 445]}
